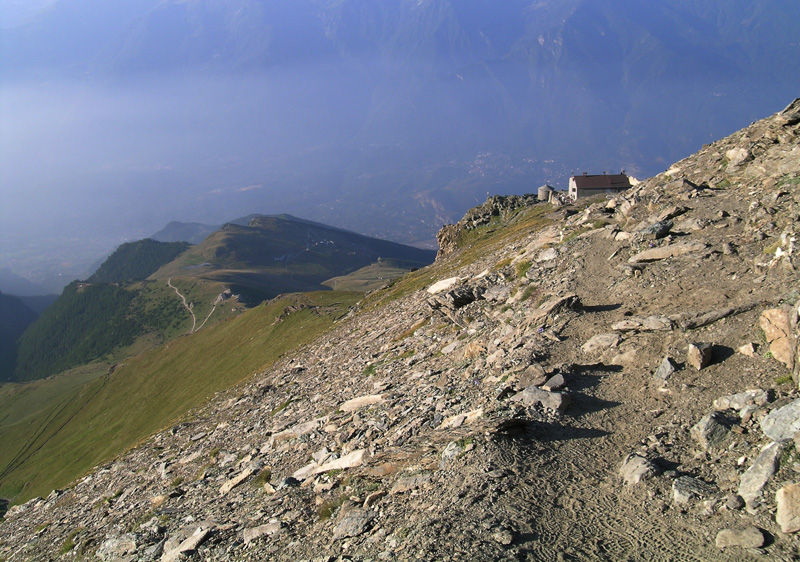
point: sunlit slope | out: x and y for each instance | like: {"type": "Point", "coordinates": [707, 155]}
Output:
{"type": "Point", "coordinates": [76, 427]}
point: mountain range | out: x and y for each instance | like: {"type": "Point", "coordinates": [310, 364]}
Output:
{"type": "Point", "coordinates": [389, 118]}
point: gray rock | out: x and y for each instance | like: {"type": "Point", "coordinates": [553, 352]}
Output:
{"type": "Point", "coordinates": [255, 533]}
{"type": "Point", "coordinates": [533, 375]}
{"type": "Point", "coordinates": [752, 482]}
{"type": "Point", "coordinates": [656, 230]}
{"type": "Point", "coordinates": [353, 522]}
{"type": "Point", "coordinates": [788, 515]}
{"type": "Point", "coordinates": [744, 537]}
{"type": "Point", "coordinates": [665, 370]}
{"type": "Point", "coordinates": [686, 488]}
{"type": "Point", "coordinates": [410, 482]}
{"type": "Point", "coordinates": [738, 401]}
{"type": "Point", "coordinates": [451, 451]}
{"type": "Point", "coordinates": [115, 548]}
{"type": "Point", "coordinates": [556, 382]}
{"type": "Point", "coordinates": [710, 432]}
{"type": "Point", "coordinates": [533, 396]}
{"type": "Point", "coordinates": [601, 342]}
{"type": "Point", "coordinates": [699, 355]}
{"type": "Point", "coordinates": [782, 423]}
{"type": "Point", "coordinates": [734, 501]}
{"type": "Point", "coordinates": [636, 468]}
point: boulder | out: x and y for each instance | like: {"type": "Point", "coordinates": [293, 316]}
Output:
{"type": "Point", "coordinates": [353, 522]}
{"type": "Point", "coordinates": [788, 514]}
{"type": "Point", "coordinates": [782, 423]}
{"type": "Point", "coordinates": [777, 326]}
{"type": "Point", "coordinates": [744, 537]}
{"type": "Point", "coordinates": [752, 482]}
{"type": "Point", "coordinates": [699, 355]}
{"type": "Point", "coordinates": [636, 468]}
{"type": "Point", "coordinates": [710, 432]}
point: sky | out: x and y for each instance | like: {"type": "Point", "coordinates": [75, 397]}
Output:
{"type": "Point", "coordinates": [386, 117]}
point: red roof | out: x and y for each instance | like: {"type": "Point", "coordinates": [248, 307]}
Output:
{"type": "Point", "coordinates": [604, 181]}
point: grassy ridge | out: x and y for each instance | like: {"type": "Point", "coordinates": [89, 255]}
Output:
{"type": "Point", "coordinates": [91, 423]}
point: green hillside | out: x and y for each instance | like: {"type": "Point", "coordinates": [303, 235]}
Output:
{"type": "Point", "coordinates": [51, 431]}
{"type": "Point", "coordinates": [86, 322]}
{"type": "Point", "coordinates": [134, 261]}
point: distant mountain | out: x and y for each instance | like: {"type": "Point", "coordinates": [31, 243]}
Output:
{"type": "Point", "coordinates": [280, 253]}
{"type": "Point", "coordinates": [13, 284]}
{"type": "Point", "coordinates": [191, 232]}
{"type": "Point", "coordinates": [16, 317]}
{"type": "Point", "coordinates": [136, 261]}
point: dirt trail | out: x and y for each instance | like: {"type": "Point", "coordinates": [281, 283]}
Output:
{"type": "Point", "coordinates": [185, 305]}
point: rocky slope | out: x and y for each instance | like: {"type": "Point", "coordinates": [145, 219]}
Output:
{"type": "Point", "coordinates": [605, 381]}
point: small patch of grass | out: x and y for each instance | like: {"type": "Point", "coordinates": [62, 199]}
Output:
{"type": "Point", "coordinates": [530, 291]}
{"type": "Point", "coordinates": [69, 542]}
{"type": "Point", "coordinates": [522, 268]}
{"type": "Point", "coordinates": [772, 248]}
{"type": "Point", "coordinates": [410, 332]}
{"type": "Point", "coordinates": [177, 481]}
{"type": "Point", "coordinates": [370, 370]}
{"type": "Point", "coordinates": [785, 379]}
{"type": "Point", "coordinates": [262, 478]}
{"type": "Point", "coordinates": [281, 407]}
{"type": "Point", "coordinates": [214, 453]}
{"type": "Point", "coordinates": [328, 508]}
{"type": "Point", "coordinates": [575, 233]}
{"type": "Point", "coordinates": [502, 263]}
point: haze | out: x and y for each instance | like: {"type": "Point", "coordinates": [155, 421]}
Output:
{"type": "Point", "coordinates": [389, 118]}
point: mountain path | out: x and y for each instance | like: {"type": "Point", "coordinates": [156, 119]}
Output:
{"type": "Point", "coordinates": [185, 305]}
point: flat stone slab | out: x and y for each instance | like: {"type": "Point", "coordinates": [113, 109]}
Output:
{"type": "Point", "coordinates": [601, 342]}
{"type": "Point", "coordinates": [752, 482]}
{"type": "Point", "coordinates": [443, 285]}
{"type": "Point", "coordinates": [664, 252]}
{"type": "Point", "coordinates": [361, 402]}
{"type": "Point", "coordinates": [783, 423]}
{"type": "Point", "coordinates": [744, 537]}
